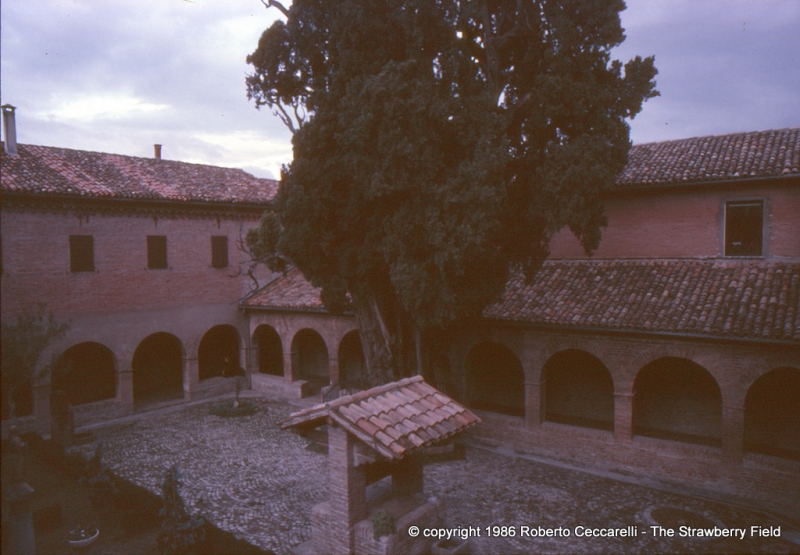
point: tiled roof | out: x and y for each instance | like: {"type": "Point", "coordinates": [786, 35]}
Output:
{"type": "Point", "coordinates": [737, 299]}
{"type": "Point", "coordinates": [287, 292]}
{"type": "Point", "coordinates": [714, 158]}
{"type": "Point", "coordinates": [394, 419]}
{"type": "Point", "coordinates": [42, 170]}
{"type": "Point", "coordinates": [722, 298]}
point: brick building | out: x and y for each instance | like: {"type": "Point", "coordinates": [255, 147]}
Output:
{"type": "Point", "coordinates": [140, 254]}
{"type": "Point", "coordinates": [673, 353]}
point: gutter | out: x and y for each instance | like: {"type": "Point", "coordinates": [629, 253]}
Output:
{"type": "Point", "coordinates": [633, 189]}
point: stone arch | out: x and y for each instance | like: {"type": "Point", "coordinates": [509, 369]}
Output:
{"type": "Point", "coordinates": [352, 370]}
{"type": "Point", "coordinates": [218, 352]}
{"type": "Point", "coordinates": [23, 401]}
{"type": "Point", "coordinates": [578, 390]}
{"type": "Point", "coordinates": [495, 379]}
{"type": "Point", "coordinates": [86, 372]}
{"type": "Point", "coordinates": [157, 368]}
{"type": "Point", "coordinates": [310, 359]}
{"type": "Point", "coordinates": [677, 399]}
{"type": "Point", "coordinates": [270, 350]}
{"type": "Point", "coordinates": [772, 414]}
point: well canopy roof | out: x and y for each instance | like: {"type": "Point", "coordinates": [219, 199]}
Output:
{"type": "Point", "coordinates": [394, 419]}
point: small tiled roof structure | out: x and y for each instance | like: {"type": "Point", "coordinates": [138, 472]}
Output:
{"type": "Point", "coordinates": [47, 171]}
{"type": "Point", "coordinates": [759, 154]}
{"type": "Point", "coordinates": [743, 299]}
{"type": "Point", "coordinates": [289, 291]}
{"type": "Point", "coordinates": [394, 419]}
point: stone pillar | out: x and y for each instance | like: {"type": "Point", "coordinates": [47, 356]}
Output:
{"type": "Point", "coordinates": [348, 486]}
{"type": "Point", "coordinates": [125, 389]}
{"type": "Point", "coordinates": [191, 377]}
{"type": "Point", "coordinates": [623, 418]}
{"type": "Point", "coordinates": [407, 475]}
{"type": "Point", "coordinates": [533, 405]}
{"type": "Point", "coordinates": [732, 434]}
{"type": "Point", "coordinates": [333, 370]}
{"type": "Point", "coordinates": [288, 371]}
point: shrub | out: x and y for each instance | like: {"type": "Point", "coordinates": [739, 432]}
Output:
{"type": "Point", "coordinates": [382, 524]}
{"type": "Point", "coordinates": [180, 531]}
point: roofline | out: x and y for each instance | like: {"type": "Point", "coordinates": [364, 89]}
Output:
{"type": "Point", "coordinates": [634, 188]}
{"type": "Point", "coordinates": [646, 333]}
{"type": "Point", "coordinates": [241, 206]}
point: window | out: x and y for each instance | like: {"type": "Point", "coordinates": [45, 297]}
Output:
{"type": "Point", "coordinates": [157, 252]}
{"type": "Point", "coordinates": [81, 253]}
{"type": "Point", "coordinates": [744, 228]}
{"type": "Point", "coordinates": [219, 251]}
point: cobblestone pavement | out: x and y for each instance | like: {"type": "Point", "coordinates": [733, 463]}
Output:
{"type": "Point", "coordinates": [248, 476]}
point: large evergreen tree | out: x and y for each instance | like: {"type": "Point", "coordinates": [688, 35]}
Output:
{"type": "Point", "coordinates": [437, 143]}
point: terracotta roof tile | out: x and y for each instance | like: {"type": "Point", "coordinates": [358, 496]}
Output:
{"type": "Point", "coordinates": [42, 170]}
{"type": "Point", "coordinates": [393, 419]}
{"type": "Point", "coordinates": [726, 298]}
{"type": "Point", "coordinates": [288, 292]}
{"type": "Point", "coordinates": [773, 153]}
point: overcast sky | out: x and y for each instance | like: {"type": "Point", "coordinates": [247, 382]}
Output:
{"type": "Point", "coordinates": [119, 76]}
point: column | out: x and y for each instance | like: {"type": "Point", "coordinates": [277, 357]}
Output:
{"type": "Point", "coordinates": [533, 405]}
{"type": "Point", "coordinates": [732, 434]}
{"type": "Point", "coordinates": [348, 485]}
{"type": "Point", "coordinates": [623, 418]}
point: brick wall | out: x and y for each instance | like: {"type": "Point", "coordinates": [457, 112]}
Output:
{"type": "Point", "coordinates": [677, 224]}
{"type": "Point", "coordinates": [122, 302]}
{"type": "Point", "coordinates": [735, 367]}
{"type": "Point", "coordinates": [36, 262]}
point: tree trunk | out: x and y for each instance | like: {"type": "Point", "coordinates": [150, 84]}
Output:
{"type": "Point", "coordinates": [391, 344]}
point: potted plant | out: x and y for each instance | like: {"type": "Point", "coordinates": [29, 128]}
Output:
{"type": "Point", "coordinates": [83, 536]}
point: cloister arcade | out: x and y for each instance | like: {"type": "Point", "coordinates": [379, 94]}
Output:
{"type": "Point", "coordinates": [629, 391]}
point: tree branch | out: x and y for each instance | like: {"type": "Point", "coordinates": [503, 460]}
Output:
{"type": "Point", "coordinates": [275, 4]}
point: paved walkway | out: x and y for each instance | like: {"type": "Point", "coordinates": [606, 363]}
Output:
{"type": "Point", "coordinates": [250, 477]}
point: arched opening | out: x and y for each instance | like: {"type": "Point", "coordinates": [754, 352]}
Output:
{"type": "Point", "coordinates": [270, 350]}
{"type": "Point", "coordinates": [352, 372]}
{"type": "Point", "coordinates": [677, 399]}
{"type": "Point", "coordinates": [22, 398]}
{"type": "Point", "coordinates": [495, 380]}
{"type": "Point", "coordinates": [218, 353]}
{"type": "Point", "coordinates": [310, 359]}
{"type": "Point", "coordinates": [86, 372]}
{"type": "Point", "coordinates": [578, 390]}
{"type": "Point", "coordinates": [772, 414]}
{"type": "Point", "coordinates": [157, 369]}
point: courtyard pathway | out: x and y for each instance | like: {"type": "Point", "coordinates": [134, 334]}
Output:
{"type": "Point", "coordinates": [248, 476]}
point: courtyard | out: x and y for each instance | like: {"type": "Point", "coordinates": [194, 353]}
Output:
{"type": "Point", "coordinates": [249, 477]}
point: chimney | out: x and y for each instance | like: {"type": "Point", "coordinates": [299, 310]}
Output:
{"type": "Point", "coordinates": [157, 149]}
{"type": "Point", "coordinates": [9, 130]}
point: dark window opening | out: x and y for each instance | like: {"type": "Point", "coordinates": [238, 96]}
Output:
{"type": "Point", "coordinates": [157, 252]}
{"type": "Point", "coordinates": [270, 350]}
{"type": "Point", "coordinates": [219, 251]}
{"type": "Point", "coordinates": [81, 253]}
{"type": "Point", "coordinates": [86, 373]}
{"type": "Point", "coordinates": [772, 414]}
{"type": "Point", "coordinates": [579, 391]}
{"type": "Point", "coordinates": [744, 228]}
{"type": "Point", "coordinates": [218, 353]}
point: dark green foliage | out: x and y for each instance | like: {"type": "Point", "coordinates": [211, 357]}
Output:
{"type": "Point", "coordinates": [180, 532]}
{"type": "Point", "coordinates": [436, 144]}
{"type": "Point", "coordinates": [382, 524]}
{"type": "Point", "coordinates": [23, 343]}
{"type": "Point", "coordinates": [100, 480]}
